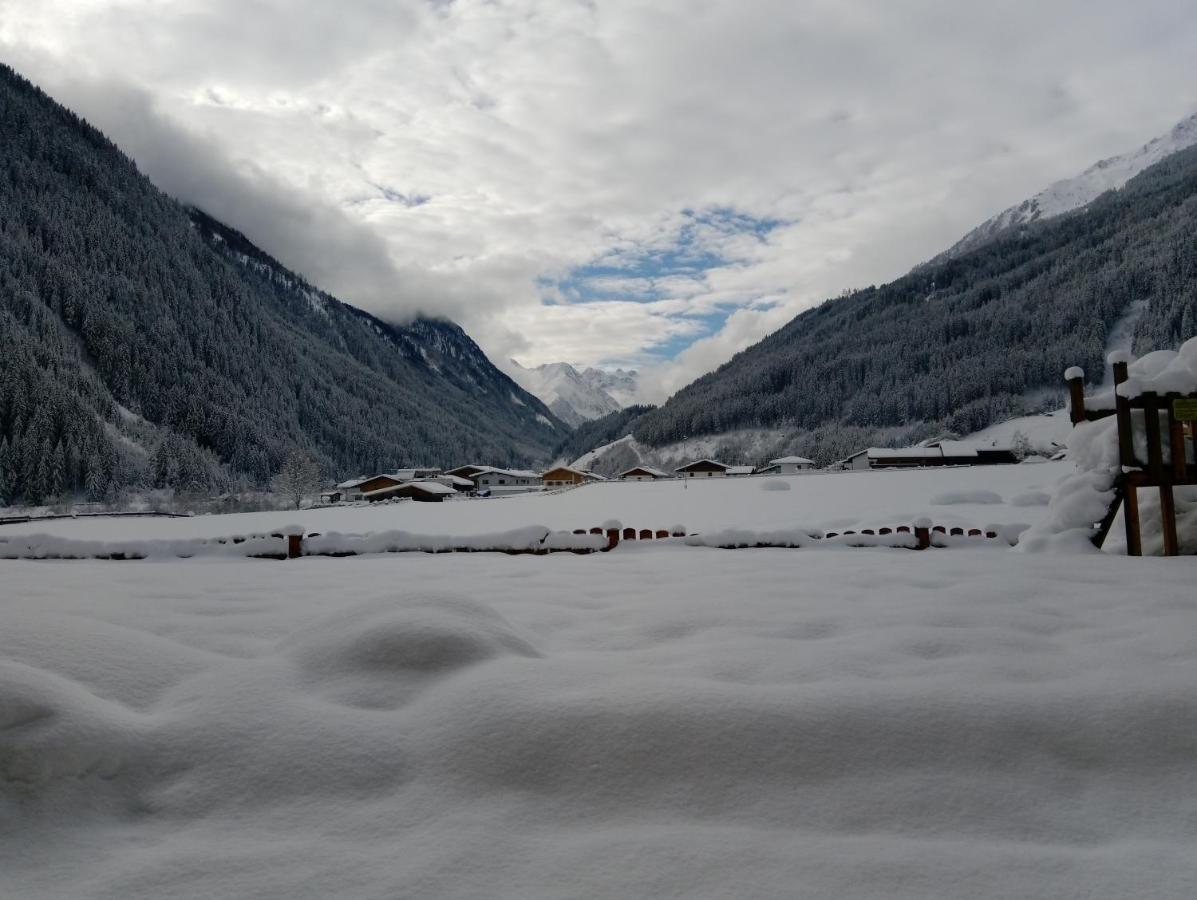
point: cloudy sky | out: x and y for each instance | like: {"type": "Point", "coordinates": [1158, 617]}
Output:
{"type": "Point", "coordinates": [611, 182]}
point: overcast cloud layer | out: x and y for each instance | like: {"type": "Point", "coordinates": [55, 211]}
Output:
{"type": "Point", "coordinates": [647, 183]}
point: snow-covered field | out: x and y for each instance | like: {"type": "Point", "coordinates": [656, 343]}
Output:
{"type": "Point", "coordinates": [832, 500]}
{"type": "Point", "coordinates": [658, 721]}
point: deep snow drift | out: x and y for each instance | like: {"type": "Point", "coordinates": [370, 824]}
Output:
{"type": "Point", "coordinates": [653, 722]}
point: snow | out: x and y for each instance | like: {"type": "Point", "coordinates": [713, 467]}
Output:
{"type": "Point", "coordinates": [660, 721]}
{"type": "Point", "coordinates": [1046, 432]}
{"type": "Point", "coordinates": [956, 498]}
{"type": "Point", "coordinates": [775, 484]}
{"type": "Point", "coordinates": [567, 393]}
{"type": "Point", "coordinates": [832, 500]}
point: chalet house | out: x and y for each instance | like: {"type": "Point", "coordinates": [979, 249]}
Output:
{"type": "Point", "coordinates": [422, 491]}
{"type": "Point", "coordinates": [454, 481]}
{"type": "Point", "coordinates": [704, 468]}
{"type": "Point", "coordinates": [357, 488]}
{"type": "Point", "coordinates": [467, 471]}
{"type": "Point", "coordinates": [937, 453]}
{"type": "Point", "coordinates": [642, 473]}
{"type": "Point", "coordinates": [788, 465]}
{"type": "Point", "coordinates": [505, 481]}
{"type": "Point", "coordinates": [565, 476]}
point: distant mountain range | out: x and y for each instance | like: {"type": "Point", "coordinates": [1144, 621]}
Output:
{"type": "Point", "coordinates": [578, 396]}
{"type": "Point", "coordinates": [979, 335]}
{"type": "Point", "coordinates": [147, 345]}
{"type": "Point", "coordinates": [1081, 190]}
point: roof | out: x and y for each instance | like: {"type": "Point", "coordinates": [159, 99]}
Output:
{"type": "Point", "coordinates": [581, 472]}
{"type": "Point", "coordinates": [453, 479]}
{"type": "Point", "coordinates": [904, 453]}
{"type": "Point", "coordinates": [655, 473]}
{"type": "Point", "coordinates": [792, 460]}
{"type": "Point", "coordinates": [426, 487]}
{"type": "Point", "coordinates": [957, 448]}
{"type": "Point", "coordinates": [713, 462]}
{"type": "Point", "coordinates": [511, 473]}
{"type": "Point", "coordinates": [353, 482]}
{"type": "Point", "coordinates": [740, 470]}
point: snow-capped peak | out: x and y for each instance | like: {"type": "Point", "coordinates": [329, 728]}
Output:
{"type": "Point", "coordinates": [574, 397]}
{"type": "Point", "coordinates": [1073, 193]}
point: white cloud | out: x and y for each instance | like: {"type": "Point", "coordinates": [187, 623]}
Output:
{"type": "Point", "coordinates": [455, 157]}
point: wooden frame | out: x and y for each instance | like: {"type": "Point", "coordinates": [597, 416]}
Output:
{"type": "Point", "coordinates": [1158, 420]}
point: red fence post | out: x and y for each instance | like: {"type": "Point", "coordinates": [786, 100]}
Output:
{"type": "Point", "coordinates": [922, 534]}
{"type": "Point", "coordinates": [294, 546]}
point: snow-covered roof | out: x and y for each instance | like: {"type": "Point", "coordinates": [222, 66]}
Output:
{"type": "Point", "coordinates": [904, 453]}
{"type": "Point", "coordinates": [792, 460]}
{"type": "Point", "coordinates": [426, 487]}
{"type": "Point", "coordinates": [354, 482]}
{"type": "Point", "coordinates": [648, 470]}
{"type": "Point", "coordinates": [510, 473]}
{"type": "Point", "coordinates": [572, 469]}
{"type": "Point", "coordinates": [691, 465]}
{"type": "Point", "coordinates": [453, 479]}
{"type": "Point", "coordinates": [740, 470]}
{"type": "Point", "coordinates": [957, 449]}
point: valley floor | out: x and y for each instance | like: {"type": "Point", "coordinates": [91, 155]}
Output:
{"type": "Point", "coordinates": [658, 721]}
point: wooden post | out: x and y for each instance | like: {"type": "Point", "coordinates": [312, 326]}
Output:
{"type": "Point", "coordinates": [1126, 441]}
{"type": "Point", "coordinates": [612, 538]}
{"type": "Point", "coordinates": [629, 534]}
{"type": "Point", "coordinates": [294, 546]}
{"type": "Point", "coordinates": [922, 534]}
{"type": "Point", "coordinates": [1130, 518]}
{"type": "Point", "coordinates": [1176, 444]}
{"type": "Point", "coordinates": [1076, 394]}
{"type": "Point", "coordinates": [1151, 422]}
{"type": "Point", "coordinates": [1168, 514]}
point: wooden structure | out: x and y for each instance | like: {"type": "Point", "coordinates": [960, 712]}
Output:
{"type": "Point", "coordinates": [1166, 422]}
{"type": "Point", "coordinates": [565, 476]}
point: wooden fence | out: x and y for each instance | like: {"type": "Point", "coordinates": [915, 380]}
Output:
{"type": "Point", "coordinates": [1162, 424]}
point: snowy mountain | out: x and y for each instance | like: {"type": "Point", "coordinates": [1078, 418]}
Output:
{"type": "Point", "coordinates": [1073, 193]}
{"type": "Point", "coordinates": [622, 385]}
{"type": "Point", "coordinates": [574, 397]}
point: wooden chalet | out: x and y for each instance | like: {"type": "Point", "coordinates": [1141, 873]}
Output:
{"type": "Point", "coordinates": [642, 473]}
{"type": "Point", "coordinates": [421, 491]}
{"type": "Point", "coordinates": [703, 468]}
{"type": "Point", "coordinates": [567, 476]}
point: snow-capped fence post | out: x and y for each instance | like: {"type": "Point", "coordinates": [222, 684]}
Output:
{"type": "Point", "coordinates": [294, 546]}
{"type": "Point", "coordinates": [922, 534]}
{"type": "Point", "coordinates": [1075, 377]}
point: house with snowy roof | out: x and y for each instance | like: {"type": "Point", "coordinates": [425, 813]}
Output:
{"type": "Point", "coordinates": [787, 465]}
{"type": "Point", "coordinates": [505, 481]}
{"type": "Point", "coordinates": [937, 453]}
{"type": "Point", "coordinates": [568, 476]}
{"type": "Point", "coordinates": [422, 491]}
{"type": "Point", "coordinates": [642, 473]}
{"type": "Point", "coordinates": [704, 468]}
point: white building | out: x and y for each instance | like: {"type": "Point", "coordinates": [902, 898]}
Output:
{"type": "Point", "coordinates": [506, 481]}
{"type": "Point", "coordinates": [788, 465]}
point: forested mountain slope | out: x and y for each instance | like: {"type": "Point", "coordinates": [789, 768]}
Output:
{"type": "Point", "coordinates": [144, 344]}
{"type": "Point", "coordinates": [963, 343]}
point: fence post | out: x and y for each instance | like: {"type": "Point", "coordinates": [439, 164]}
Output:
{"type": "Point", "coordinates": [294, 546]}
{"type": "Point", "coordinates": [922, 534]}
{"type": "Point", "coordinates": [1075, 377]}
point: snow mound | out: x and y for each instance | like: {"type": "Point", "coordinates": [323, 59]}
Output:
{"type": "Point", "coordinates": [774, 484]}
{"type": "Point", "coordinates": [956, 498]}
{"type": "Point", "coordinates": [379, 653]}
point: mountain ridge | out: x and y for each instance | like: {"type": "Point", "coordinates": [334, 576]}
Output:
{"type": "Point", "coordinates": [149, 345]}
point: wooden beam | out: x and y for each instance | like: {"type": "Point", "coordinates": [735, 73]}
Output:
{"type": "Point", "coordinates": [1126, 440]}
{"type": "Point", "coordinates": [1151, 423]}
{"type": "Point", "coordinates": [1168, 515]}
{"type": "Point", "coordinates": [1130, 518]}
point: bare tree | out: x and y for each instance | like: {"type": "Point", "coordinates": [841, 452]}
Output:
{"type": "Point", "coordinates": [298, 477]}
